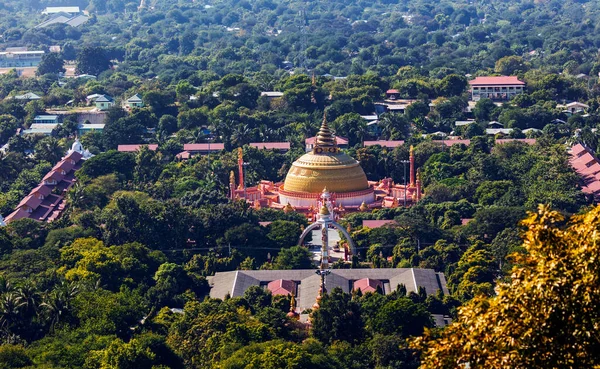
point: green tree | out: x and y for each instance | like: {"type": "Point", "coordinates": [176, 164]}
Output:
{"type": "Point", "coordinates": [337, 319]}
{"type": "Point", "coordinates": [51, 63]}
{"type": "Point", "coordinates": [543, 317]}
{"type": "Point", "coordinates": [92, 60]}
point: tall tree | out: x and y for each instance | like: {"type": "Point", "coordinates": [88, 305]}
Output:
{"type": "Point", "coordinates": [92, 60]}
{"type": "Point", "coordinates": [546, 316]}
{"type": "Point", "coordinates": [51, 63]}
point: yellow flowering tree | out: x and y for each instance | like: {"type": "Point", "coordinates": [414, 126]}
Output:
{"type": "Point", "coordinates": [547, 316]}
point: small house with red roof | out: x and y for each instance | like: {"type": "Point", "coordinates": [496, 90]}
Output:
{"type": "Point", "coordinates": [501, 88]}
{"type": "Point", "coordinates": [392, 94]}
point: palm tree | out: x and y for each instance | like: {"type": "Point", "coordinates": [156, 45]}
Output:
{"type": "Point", "coordinates": [5, 285]}
{"type": "Point", "coordinates": [28, 296]}
{"type": "Point", "coordinates": [57, 303]}
{"type": "Point", "coordinates": [9, 312]}
{"type": "Point", "coordinates": [241, 135]}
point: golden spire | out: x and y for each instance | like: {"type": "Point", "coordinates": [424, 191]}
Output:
{"type": "Point", "coordinates": [324, 210]}
{"type": "Point", "coordinates": [232, 178]}
{"type": "Point", "coordinates": [288, 208]}
{"type": "Point", "coordinates": [325, 189]}
{"type": "Point", "coordinates": [325, 137]}
{"type": "Point", "coordinates": [412, 150]}
{"type": "Point", "coordinates": [241, 154]}
{"type": "Point", "coordinates": [363, 207]}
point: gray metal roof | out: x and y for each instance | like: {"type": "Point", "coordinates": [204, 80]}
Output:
{"type": "Point", "coordinates": [235, 283]}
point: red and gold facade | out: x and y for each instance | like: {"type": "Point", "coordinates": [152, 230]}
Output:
{"type": "Point", "coordinates": [326, 167]}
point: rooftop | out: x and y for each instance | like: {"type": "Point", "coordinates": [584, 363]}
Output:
{"type": "Point", "coordinates": [134, 148]}
{"type": "Point", "coordinates": [235, 283]}
{"type": "Point", "coordinates": [501, 80]}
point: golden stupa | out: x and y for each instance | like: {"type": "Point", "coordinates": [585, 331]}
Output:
{"type": "Point", "coordinates": [325, 167]}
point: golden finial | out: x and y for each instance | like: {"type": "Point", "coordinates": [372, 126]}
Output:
{"type": "Point", "coordinates": [363, 207]}
{"type": "Point", "coordinates": [325, 137]}
{"type": "Point", "coordinates": [314, 79]}
{"type": "Point", "coordinates": [232, 178]}
{"type": "Point", "coordinates": [288, 208]}
{"type": "Point", "coordinates": [418, 174]}
{"type": "Point", "coordinates": [412, 150]}
{"type": "Point", "coordinates": [324, 210]}
{"type": "Point", "coordinates": [395, 202]}
{"type": "Point", "coordinates": [240, 154]}
{"type": "Point", "coordinates": [325, 189]}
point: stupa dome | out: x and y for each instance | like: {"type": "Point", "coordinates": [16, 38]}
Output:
{"type": "Point", "coordinates": [325, 167]}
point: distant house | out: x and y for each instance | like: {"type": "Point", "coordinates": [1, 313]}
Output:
{"type": "Point", "coordinates": [501, 88]}
{"type": "Point", "coordinates": [46, 119]}
{"type": "Point", "coordinates": [279, 146]}
{"type": "Point", "coordinates": [573, 108]}
{"type": "Point", "coordinates": [62, 9]}
{"type": "Point", "coordinates": [64, 18]}
{"type": "Point", "coordinates": [104, 102]}
{"type": "Point", "coordinates": [20, 58]}
{"type": "Point", "coordinates": [42, 129]}
{"type": "Point", "coordinates": [496, 131]}
{"type": "Point", "coordinates": [90, 127]}
{"type": "Point", "coordinates": [392, 94]}
{"type": "Point", "coordinates": [495, 124]}
{"type": "Point", "coordinates": [271, 94]}
{"type": "Point", "coordinates": [388, 144]}
{"type": "Point", "coordinates": [29, 96]}
{"type": "Point", "coordinates": [136, 147]}
{"type": "Point", "coordinates": [134, 101]}
{"type": "Point", "coordinates": [460, 123]}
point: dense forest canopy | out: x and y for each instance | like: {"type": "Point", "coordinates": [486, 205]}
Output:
{"type": "Point", "coordinates": [120, 279]}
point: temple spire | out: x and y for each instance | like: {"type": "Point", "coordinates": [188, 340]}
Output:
{"type": "Point", "coordinates": [412, 166]}
{"type": "Point", "coordinates": [325, 137]}
{"type": "Point", "coordinates": [241, 168]}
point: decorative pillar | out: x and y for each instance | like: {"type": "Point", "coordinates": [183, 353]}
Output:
{"type": "Point", "coordinates": [324, 243]}
{"type": "Point", "coordinates": [232, 185]}
{"type": "Point", "coordinates": [241, 168]}
{"type": "Point", "coordinates": [418, 185]}
{"type": "Point", "coordinates": [412, 166]}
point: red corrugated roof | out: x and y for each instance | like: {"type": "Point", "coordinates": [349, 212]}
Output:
{"type": "Point", "coordinates": [183, 155]}
{"type": "Point", "coordinates": [42, 189]}
{"type": "Point", "coordinates": [377, 223]}
{"type": "Point", "coordinates": [53, 174]}
{"type": "Point", "coordinates": [30, 201]}
{"type": "Point", "coordinates": [16, 215]}
{"type": "Point", "coordinates": [502, 80]}
{"type": "Point", "coordinates": [64, 164]}
{"type": "Point", "coordinates": [133, 148]}
{"type": "Point", "coordinates": [339, 140]}
{"type": "Point", "coordinates": [271, 145]}
{"type": "Point", "coordinates": [384, 143]}
{"type": "Point", "coordinates": [528, 141]}
{"type": "Point", "coordinates": [74, 155]}
{"type": "Point", "coordinates": [204, 147]}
